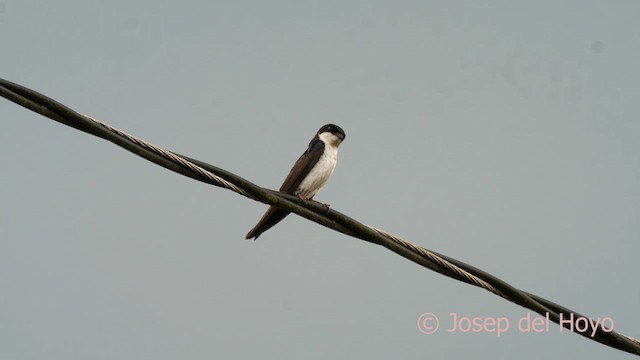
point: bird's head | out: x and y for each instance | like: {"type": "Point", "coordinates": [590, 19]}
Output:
{"type": "Point", "coordinates": [331, 134]}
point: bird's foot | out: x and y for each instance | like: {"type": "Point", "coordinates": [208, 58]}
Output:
{"type": "Point", "coordinates": [305, 199]}
{"type": "Point", "coordinates": [324, 206]}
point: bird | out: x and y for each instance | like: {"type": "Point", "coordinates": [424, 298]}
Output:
{"type": "Point", "coordinates": [308, 175]}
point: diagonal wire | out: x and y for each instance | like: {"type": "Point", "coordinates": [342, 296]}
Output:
{"type": "Point", "coordinates": [210, 174]}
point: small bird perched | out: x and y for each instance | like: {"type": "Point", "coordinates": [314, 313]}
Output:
{"type": "Point", "coordinates": [308, 175]}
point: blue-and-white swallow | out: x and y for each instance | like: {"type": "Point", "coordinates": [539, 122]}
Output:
{"type": "Point", "coordinates": [308, 175]}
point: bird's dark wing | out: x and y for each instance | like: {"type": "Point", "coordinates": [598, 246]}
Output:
{"type": "Point", "coordinates": [300, 169]}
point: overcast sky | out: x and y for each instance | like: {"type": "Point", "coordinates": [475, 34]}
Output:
{"type": "Point", "coordinates": [504, 134]}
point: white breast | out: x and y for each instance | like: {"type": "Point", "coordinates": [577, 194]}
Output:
{"type": "Point", "coordinates": [320, 173]}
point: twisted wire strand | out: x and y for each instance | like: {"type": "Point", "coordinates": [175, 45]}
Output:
{"type": "Point", "coordinates": [175, 158]}
{"type": "Point", "coordinates": [433, 257]}
{"type": "Point", "coordinates": [205, 172]}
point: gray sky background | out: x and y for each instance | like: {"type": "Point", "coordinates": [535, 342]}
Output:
{"type": "Point", "coordinates": [504, 134]}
